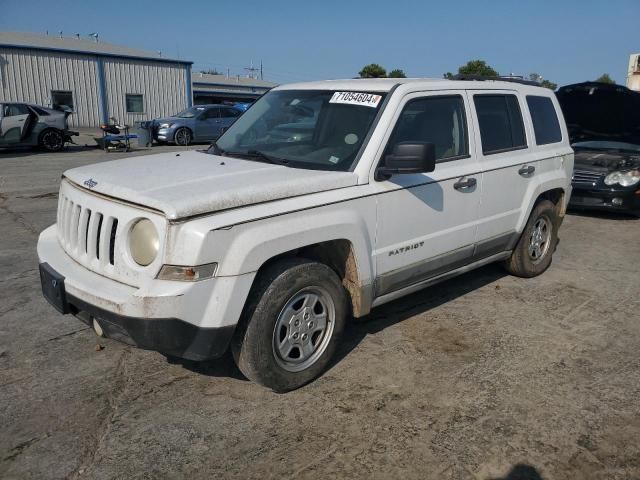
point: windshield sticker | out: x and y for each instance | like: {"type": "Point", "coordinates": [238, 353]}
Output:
{"type": "Point", "coordinates": [356, 98]}
{"type": "Point", "coordinates": [333, 159]}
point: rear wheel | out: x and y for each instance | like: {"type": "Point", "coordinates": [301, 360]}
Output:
{"type": "Point", "coordinates": [292, 324]}
{"type": "Point", "coordinates": [534, 251]}
{"type": "Point", "coordinates": [52, 140]}
{"type": "Point", "coordinates": [182, 136]}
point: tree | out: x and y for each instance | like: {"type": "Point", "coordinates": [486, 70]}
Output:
{"type": "Point", "coordinates": [477, 67]}
{"type": "Point", "coordinates": [605, 78]}
{"type": "Point", "coordinates": [211, 71]}
{"type": "Point", "coordinates": [536, 77]}
{"type": "Point", "coordinates": [373, 70]}
{"type": "Point", "coordinates": [397, 73]}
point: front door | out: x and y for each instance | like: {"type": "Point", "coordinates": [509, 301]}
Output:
{"type": "Point", "coordinates": [228, 115]}
{"type": "Point", "coordinates": [14, 123]}
{"type": "Point", "coordinates": [427, 222]}
{"type": "Point", "coordinates": [208, 124]}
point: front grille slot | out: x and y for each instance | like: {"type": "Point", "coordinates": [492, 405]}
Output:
{"type": "Point", "coordinates": [582, 177]}
{"type": "Point", "coordinates": [85, 233]}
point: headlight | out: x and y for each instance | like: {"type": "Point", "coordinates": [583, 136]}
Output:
{"type": "Point", "coordinates": [144, 242]}
{"type": "Point", "coordinates": [625, 179]}
{"type": "Point", "coordinates": [166, 125]}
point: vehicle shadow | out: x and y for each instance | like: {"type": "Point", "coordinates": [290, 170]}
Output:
{"type": "Point", "coordinates": [602, 215]}
{"type": "Point", "coordinates": [415, 304]}
{"type": "Point", "coordinates": [220, 367]}
{"type": "Point", "coordinates": [28, 152]}
{"type": "Point", "coordinates": [521, 471]}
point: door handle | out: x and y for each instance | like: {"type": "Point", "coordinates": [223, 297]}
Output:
{"type": "Point", "coordinates": [465, 184]}
{"type": "Point", "coordinates": [527, 170]}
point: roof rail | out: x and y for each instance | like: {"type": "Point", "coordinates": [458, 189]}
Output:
{"type": "Point", "coordinates": [482, 78]}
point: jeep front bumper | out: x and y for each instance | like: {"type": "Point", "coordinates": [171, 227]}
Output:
{"type": "Point", "coordinates": [191, 320]}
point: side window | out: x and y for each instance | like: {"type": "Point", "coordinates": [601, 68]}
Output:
{"type": "Point", "coordinates": [61, 98]}
{"type": "Point", "coordinates": [230, 112]}
{"type": "Point", "coordinates": [134, 103]}
{"type": "Point", "coordinates": [14, 109]}
{"type": "Point", "coordinates": [211, 114]}
{"type": "Point", "coordinates": [501, 125]}
{"type": "Point", "coordinates": [437, 120]}
{"type": "Point", "coordinates": [545, 121]}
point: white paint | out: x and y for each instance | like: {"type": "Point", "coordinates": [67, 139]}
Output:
{"type": "Point", "coordinates": [248, 212]}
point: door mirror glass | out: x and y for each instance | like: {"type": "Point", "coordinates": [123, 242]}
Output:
{"type": "Point", "coordinates": [409, 157]}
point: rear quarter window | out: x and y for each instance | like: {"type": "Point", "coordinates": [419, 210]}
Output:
{"type": "Point", "coordinates": [545, 120]}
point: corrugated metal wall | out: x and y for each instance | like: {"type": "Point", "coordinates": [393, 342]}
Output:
{"type": "Point", "coordinates": [163, 86]}
{"type": "Point", "coordinates": [30, 75]}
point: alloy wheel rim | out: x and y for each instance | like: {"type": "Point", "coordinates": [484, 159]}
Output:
{"type": "Point", "coordinates": [540, 240]}
{"type": "Point", "coordinates": [52, 140]}
{"type": "Point", "coordinates": [303, 329]}
{"type": "Point", "coordinates": [182, 137]}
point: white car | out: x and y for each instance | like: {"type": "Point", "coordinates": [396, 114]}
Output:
{"type": "Point", "coordinates": [268, 243]}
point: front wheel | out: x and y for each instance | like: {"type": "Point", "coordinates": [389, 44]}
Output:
{"type": "Point", "coordinates": [182, 137]}
{"type": "Point", "coordinates": [534, 251]}
{"type": "Point", "coordinates": [52, 140]}
{"type": "Point", "coordinates": [292, 324]}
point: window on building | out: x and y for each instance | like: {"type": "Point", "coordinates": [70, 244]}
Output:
{"type": "Point", "coordinates": [437, 120]}
{"type": "Point", "coordinates": [135, 103]}
{"type": "Point", "coordinates": [501, 125]}
{"type": "Point", "coordinates": [545, 121]}
{"type": "Point", "coordinates": [61, 98]}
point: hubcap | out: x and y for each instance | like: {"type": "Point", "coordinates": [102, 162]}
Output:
{"type": "Point", "coordinates": [540, 240]}
{"type": "Point", "coordinates": [303, 329]}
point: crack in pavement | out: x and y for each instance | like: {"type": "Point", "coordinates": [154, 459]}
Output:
{"type": "Point", "coordinates": [116, 393]}
{"type": "Point", "coordinates": [16, 217]}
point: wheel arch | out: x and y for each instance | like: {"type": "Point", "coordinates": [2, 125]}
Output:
{"type": "Point", "coordinates": [340, 256]}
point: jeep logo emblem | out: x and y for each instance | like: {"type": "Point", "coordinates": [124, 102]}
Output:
{"type": "Point", "coordinates": [90, 183]}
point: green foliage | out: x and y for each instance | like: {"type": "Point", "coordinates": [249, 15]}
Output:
{"type": "Point", "coordinates": [536, 77]}
{"type": "Point", "coordinates": [373, 70]}
{"type": "Point", "coordinates": [477, 67]}
{"type": "Point", "coordinates": [605, 78]}
{"type": "Point", "coordinates": [211, 71]}
{"type": "Point", "coordinates": [397, 73]}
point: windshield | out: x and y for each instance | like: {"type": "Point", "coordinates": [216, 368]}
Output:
{"type": "Point", "coordinates": [303, 128]}
{"type": "Point", "coordinates": [607, 145]}
{"type": "Point", "coordinates": [190, 112]}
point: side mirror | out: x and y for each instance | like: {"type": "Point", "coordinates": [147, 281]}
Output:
{"type": "Point", "coordinates": [408, 157]}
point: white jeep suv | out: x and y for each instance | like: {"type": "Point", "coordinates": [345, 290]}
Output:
{"type": "Point", "coordinates": [322, 201]}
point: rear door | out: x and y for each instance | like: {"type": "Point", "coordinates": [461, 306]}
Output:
{"type": "Point", "coordinates": [15, 123]}
{"type": "Point", "coordinates": [427, 221]}
{"type": "Point", "coordinates": [509, 166]}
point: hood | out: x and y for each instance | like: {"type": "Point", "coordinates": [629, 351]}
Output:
{"type": "Point", "coordinates": [605, 162]}
{"type": "Point", "coordinates": [183, 184]}
{"type": "Point", "coordinates": [600, 111]}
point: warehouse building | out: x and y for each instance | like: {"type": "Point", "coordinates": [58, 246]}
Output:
{"type": "Point", "coordinates": [96, 79]}
{"type": "Point", "coordinates": [220, 88]}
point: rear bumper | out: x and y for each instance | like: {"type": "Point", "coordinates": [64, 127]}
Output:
{"type": "Point", "coordinates": [622, 201]}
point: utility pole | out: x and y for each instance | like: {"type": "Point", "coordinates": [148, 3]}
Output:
{"type": "Point", "coordinates": [251, 69]}
{"type": "Point", "coordinates": [261, 76]}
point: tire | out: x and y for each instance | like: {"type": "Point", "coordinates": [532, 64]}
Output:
{"type": "Point", "coordinates": [51, 140]}
{"type": "Point", "coordinates": [534, 251]}
{"type": "Point", "coordinates": [283, 314]}
{"type": "Point", "coordinates": [182, 136]}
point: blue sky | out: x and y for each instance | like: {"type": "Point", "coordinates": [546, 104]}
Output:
{"type": "Point", "coordinates": [565, 41]}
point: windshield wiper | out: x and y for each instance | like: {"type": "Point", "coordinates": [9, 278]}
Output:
{"type": "Point", "coordinates": [216, 149]}
{"type": "Point", "coordinates": [257, 154]}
